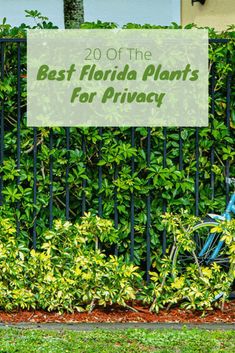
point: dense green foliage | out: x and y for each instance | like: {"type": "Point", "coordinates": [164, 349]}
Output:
{"type": "Point", "coordinates": [131, 341]}
{"type": "Point", "coordinates": [70, 272]}
{"type": "Point", "coordinates": [169, 183]}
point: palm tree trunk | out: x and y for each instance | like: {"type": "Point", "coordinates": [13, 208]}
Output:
{"type": "Point", "coordinates": [73, 13]}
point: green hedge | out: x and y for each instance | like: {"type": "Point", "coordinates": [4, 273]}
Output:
{"type": "Point", "coordinates": [167, 184]}
{"type": "Point", "coordinates": [70, 273]}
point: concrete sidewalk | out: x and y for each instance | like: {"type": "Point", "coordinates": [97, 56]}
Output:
{"type": "Point", "coordinates": [118, 326]}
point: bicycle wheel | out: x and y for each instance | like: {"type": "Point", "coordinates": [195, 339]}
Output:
{"type": "Point", "coordinates": [208, 249]}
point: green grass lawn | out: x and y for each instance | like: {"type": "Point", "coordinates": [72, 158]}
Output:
{"type": "Point", "coordinates": [128, 341]}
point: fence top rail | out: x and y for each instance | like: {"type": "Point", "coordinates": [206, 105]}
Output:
{"type": "Point", "coordinates": [13, 40]}
{"type": "Point", "coordinates": [220, 40]}
{"type": "Point", "coordinates": [24, 40]}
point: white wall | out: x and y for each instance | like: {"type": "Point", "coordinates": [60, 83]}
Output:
{"type": "Point", "coordinates": [13, 10]}
{"type": "Point", "coordinates": [161, 12]}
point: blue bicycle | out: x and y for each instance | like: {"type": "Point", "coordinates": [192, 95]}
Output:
{"type": "Point", "coordinates": [209, 247]}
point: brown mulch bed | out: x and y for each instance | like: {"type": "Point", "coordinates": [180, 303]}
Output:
{"type": "Point", "coordinates": [117, 314]}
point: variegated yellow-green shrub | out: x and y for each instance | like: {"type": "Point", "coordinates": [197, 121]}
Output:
{"type": "Point", "coordinates": [179, 278]}
{"type": "Point", "coordinates": [68, 273]}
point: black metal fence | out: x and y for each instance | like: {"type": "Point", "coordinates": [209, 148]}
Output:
{"type": "Point", "coordinates": [20, 52]}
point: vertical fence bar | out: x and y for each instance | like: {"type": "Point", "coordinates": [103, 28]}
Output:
{"type": "Point", "coordinates": [164, 200]}
{"type": "Point", "coordinates": [115, 205]}
{"type": "Point", "coordinates": [2, 126]}
{"type": "Point", "coordinates": [181, 166]}
{"type": "Point", "coordinates": [228, 112]}
{"type": "Point", "coordinates": [197, 172]}
{"type": "Point", "coordinates": [18, 147]}
{"type": "Point", "coordinates": [148, 240]}
{"type": "Point", "coordinates": [115, 201]}
{"type": "Point", "coordinates": [132, 199]}
{"type": "Point", "coordinates": [100, 208]}
{"type": "Point", "coordinates": [51, 180]}
{"type": "Point", "coordinates": [67, 195]}
{"type": "Point", "coordinates": [84, 180]}
{"type": "Point", "coordinates": [34, 187]}
{"type": "Point", "coordinates": [212, 161]}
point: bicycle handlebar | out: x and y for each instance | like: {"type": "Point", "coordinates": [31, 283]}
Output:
{"type": "Point", "coordinates": [230, 181]}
